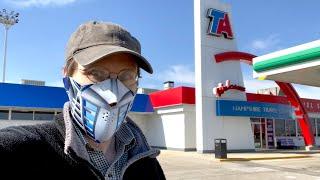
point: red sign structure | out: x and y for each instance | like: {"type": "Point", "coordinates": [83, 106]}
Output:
{"type": "Point", "coordinates": [218, 91]}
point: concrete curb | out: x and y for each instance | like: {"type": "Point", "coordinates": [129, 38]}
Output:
{"type": "Point", "coordinates": [263, 158]}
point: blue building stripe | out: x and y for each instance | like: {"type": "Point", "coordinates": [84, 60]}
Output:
{"type": "Point", "coordinates": [142, 103]}
{"type": "Point", "coordinates": [20, 95]}
{"type": "Point", "coordinates": [30, 96]}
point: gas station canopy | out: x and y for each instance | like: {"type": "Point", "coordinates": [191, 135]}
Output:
{"type": "Point", "coordinates": [299, 64]}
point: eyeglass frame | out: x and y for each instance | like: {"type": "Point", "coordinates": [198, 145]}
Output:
{"type": "Point", "coordinates": [86, 72]}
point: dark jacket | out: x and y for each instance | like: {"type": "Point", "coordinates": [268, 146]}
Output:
{"type": "Point", "coordinates": [37, 152]}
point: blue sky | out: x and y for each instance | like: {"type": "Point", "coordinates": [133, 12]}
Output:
{"type": "Point", "coordinates": [165, 29]}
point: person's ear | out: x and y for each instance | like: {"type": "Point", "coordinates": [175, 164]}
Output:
{"type": "Point", "coordinates": [64, 71]}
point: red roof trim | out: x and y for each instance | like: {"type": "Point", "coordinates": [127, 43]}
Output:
{"type": "Point", "coordinates": [174, 96]}
{"type": "Point", "coordinates": [186, 95]}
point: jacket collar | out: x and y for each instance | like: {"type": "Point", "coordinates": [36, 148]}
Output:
{"type": "Point", "coordinates": [65, 127]}
{"type": "Point", "coordinates": [72, 140]}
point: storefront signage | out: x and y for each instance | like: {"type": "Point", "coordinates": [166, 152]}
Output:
{"type": "Point", "coordinates": [311, 105]}
{"type": "Point", "coordinates": [221, 88]}
{"type": "Point", "coordinates": [253, 109]}
{"type": "Point", "coordinates": [219, 23]}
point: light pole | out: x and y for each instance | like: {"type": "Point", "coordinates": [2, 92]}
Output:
{"type": "Point", "coordinates": [8, 20]}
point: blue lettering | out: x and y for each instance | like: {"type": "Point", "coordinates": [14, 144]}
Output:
{"type": "Point", "coordinates": [215, 17]}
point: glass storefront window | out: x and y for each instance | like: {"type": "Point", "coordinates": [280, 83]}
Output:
{"type": "Point", "coordinates": [4, 114]}
{"type": "Point", "coordinates": [299, 129]}
{"type": "Point", "coordinates": [43, 115]}
{"type": "Point", "coordinates": [256, 120]}
{"type": "Point", "coordinates": [318, 126]}
{"type": "Point", "coordinates": [22, 115]}
{"type": "Point", "coordinates": [313, 122]}
{"type": "Point", "coordinates": [290, 127]}
{"type": "Point", "coordinates": [280, 127]}
{"type": "Point", "coordinates": [313, 125]}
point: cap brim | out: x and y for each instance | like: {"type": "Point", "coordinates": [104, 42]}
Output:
{"type": "Point", "coordinates": [92, 54]}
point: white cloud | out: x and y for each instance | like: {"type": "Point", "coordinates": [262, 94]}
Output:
{"type": "Point", "coordinates": [265, 45]}
{"type": "Point", "coordinates": [40, 3]}
{"type": "Point", "coordinates": [269, 42]}
{"type": "Point", "coordinates": [178, 73]}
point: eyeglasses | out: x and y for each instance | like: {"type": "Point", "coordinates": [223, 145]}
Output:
{"type": "Point", "coordinates": [128, 77]}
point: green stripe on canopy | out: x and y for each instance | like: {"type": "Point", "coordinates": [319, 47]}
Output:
{"type": "Point", "coordinates": [289, 59]}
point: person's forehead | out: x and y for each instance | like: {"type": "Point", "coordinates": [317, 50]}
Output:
{"type": "Point", "coordinates": [118, 60]}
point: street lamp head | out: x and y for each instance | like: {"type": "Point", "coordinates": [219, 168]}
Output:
{"type": "Point", "coordinates": [8, 19]}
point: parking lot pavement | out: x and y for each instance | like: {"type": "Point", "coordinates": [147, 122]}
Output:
{"type": "Point", "coordinates": [192, 165]}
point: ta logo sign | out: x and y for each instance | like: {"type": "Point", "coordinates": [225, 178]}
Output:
{"type": "Point", "coordinates": [219, 23]}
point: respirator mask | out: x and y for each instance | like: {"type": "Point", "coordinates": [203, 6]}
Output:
{"type": "Point", "coordinates": [99, 109]}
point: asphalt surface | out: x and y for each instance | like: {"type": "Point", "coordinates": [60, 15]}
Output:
{"type": "Point", "coordinates": [192, 165]}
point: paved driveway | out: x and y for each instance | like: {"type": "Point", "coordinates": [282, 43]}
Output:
{"type": "Point", "coordinates": [191, 165]}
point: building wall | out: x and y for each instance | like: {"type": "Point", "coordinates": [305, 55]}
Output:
{"type": "Point", "coordinates": [174, 127]}
{"type": "Point", "coordinates": [141, 120]}
{"type": "Point", "coordinates": [10, 121]}
{"type": "Point", "coordinates": [235, 130]}
{"type": "Point", "coordinates": [156, 132]}
{"type": "Point", "coordinates": [169, 127]}
{"type": "Point", "coordinates": [190, 127]}
{"type": "Point", "coordinates": [7, 123]}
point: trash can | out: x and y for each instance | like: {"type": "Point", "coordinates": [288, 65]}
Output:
{"type": "Point", "coordinates": [220, 150]}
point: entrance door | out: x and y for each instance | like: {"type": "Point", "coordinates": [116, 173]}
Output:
{"type": "Point", "coordinates": [259, 132]}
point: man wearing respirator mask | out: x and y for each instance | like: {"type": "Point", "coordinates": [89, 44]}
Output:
{"type": "Point", "coordinates": [93, 138]}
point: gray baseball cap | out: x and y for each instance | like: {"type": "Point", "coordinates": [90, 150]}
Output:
{"type": "Point", "coordinates": [94, 40]}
